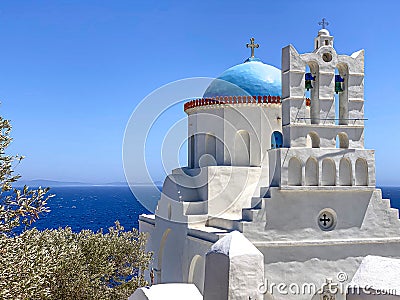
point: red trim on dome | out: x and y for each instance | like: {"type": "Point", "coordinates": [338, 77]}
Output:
{"type": "Point", "coordinates": [224, 100]}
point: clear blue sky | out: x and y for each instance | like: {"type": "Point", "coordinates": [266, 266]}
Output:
{"type": "Point", "coordinates": [71, 72]}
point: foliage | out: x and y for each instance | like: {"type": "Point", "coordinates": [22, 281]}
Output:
{"type": "Point", "coordinates": [16, 206]}
{"type": "Point", "coordinates": [60, 264]}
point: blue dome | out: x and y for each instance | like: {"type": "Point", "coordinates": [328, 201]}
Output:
{"type": "Point", "coordinates": [252, 78]}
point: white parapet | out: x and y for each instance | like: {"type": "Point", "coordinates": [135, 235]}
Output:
{"type": "Point", "coordinates": [168, 291]}
{"type": "Point", "coordinates": [234, 269]}
{"type": "Point", "coordinates": [376, 278]}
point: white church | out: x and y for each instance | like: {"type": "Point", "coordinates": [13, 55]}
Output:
{"type": "Point", "coordinates": [278, 200]}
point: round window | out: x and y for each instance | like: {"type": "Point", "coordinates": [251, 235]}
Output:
{"type": "Point", "coordinates": [327, 219]}
{"type": "Point", "coordinates": [327, 57]}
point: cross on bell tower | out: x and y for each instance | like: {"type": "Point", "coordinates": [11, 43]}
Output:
{"type": "Point", "coordinates": [324, 38]}
{"type": "Point", "coordinates": [323, 23]}
{"type": "Point", "coordinates": [252, 46]}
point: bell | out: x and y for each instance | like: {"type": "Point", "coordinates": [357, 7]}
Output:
{"type": "Point", "coordinates": [308, 79]}
{"type": "Point", "coordinates": [308, 85]}
{"type": "Point", "coordinates": [338, 87]}
{"type": "Point", "coordinates": [338, 84]}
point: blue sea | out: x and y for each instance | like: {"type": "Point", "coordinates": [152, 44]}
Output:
{"type": "Point", "coordinates": [96, 207]}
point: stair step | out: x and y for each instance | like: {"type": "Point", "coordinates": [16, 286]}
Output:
{"type": "Point", "coordinates": [193, 200]}
{"type": "Point", "coordinates": [265, 192]}
{"type": "Point", "coordinates": [256, 202]}
{"type": "Point", "coordinates": [386, 202]}
{"type": "Point", "coordinates": [394, 212]}
{"type": "Point", "coordinates": [195, 208]}
{"type": "Point", "coordinates": [249, 213]}
{"type": "Point", "coordinates": [211, 234]}
{"type": "Point", "coordinates": [197, 220]}
{"type": "Point", "coordinates": [226, 224]}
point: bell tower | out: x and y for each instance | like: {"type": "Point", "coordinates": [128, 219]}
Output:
{"type": "Point", "coordinates": [322, 92]}
{"type": "Point", "coordinates": [323, 118]}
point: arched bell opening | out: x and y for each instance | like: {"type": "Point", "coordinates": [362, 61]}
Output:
{"type": "Point", "coordinates": [341, 92]}
{"type": "Point", "coordinates": [338, 89]}
{"type": "Point", "coordinates": [311, 80]}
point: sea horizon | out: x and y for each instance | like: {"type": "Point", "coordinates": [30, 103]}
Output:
{"type": "Point", "coordinates": [97, 207]}
{"type": "Point", "coordinates": [35, 183]}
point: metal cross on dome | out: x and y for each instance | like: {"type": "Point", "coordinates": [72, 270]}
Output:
{"type": "Point", "coordinates": [323, 23]}
{"type": "Point", "coordinates": [252, 46]}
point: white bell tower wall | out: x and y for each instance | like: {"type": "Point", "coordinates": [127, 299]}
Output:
{"type": "Point", "coordinates": [299, 119]}
{"type": "Point", "coordinates": [325, 146]}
